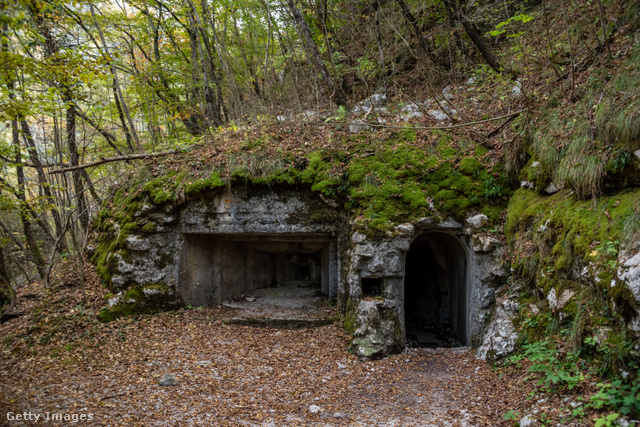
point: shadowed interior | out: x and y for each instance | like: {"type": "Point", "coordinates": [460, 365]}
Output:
{"type": "Point", "coordinates": [435, 291]}
{"type": "Point", "coordinates": [217, 267]}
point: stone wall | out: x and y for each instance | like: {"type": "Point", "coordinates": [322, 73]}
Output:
{"type": "Point", "coordinates": [174, 251]}
{"type": "Point", "coordinates": [377, 323]}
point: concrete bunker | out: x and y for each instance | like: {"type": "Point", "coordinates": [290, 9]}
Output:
{"type": "Point", "coordinates": [216, 268]}
{"type": "Point", "coordinates": [293, 243]}
{"type": "Point", "coordinates": [436, 291]}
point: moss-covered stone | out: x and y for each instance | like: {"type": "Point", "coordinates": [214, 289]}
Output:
{"type": "Point", "coordinates": [350, 317]}
{"type": "Point", "coordinates": [469, 166]}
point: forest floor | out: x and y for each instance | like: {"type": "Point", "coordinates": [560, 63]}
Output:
{"type": "Point", "coordinates": [57, 358]}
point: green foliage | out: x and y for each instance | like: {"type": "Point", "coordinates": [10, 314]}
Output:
{"type": "Point", "coordinates": [554, 373]}
{"type": "Point", "coordinates": [501, 27]}
{"type": "Point", "coordinates": [511, 416]}
{"type": "Point", "coordinates": [607, 421]}
{"type": "Point", "coordinates": [621, 396]}
{"type": "Point", "coordinates": [581, 147]}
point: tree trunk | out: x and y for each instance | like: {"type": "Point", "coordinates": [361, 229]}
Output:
{"type": "Point", "coordinates": [411, 20]}
{"type": "Point", "coordinates": [116, 83]}
{"type": "Point", "coordinates": [74, 157]}
{"type": "Point", "coordinates": [125, 128]}
{"type": "Point", "coordinates": [474, 35]}
{"type": "Point", "coordinates": [5, 280]}
{"type": "Point", "coordinates": [111, 138]}
{"type": "Point", "coordinates": [334, 93]}
{"type": "Point", "coordinates": [25, 212]}
{"type": "Point", "coordinates": [42, 178]}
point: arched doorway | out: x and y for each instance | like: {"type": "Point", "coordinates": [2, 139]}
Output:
{"type": "Point", "coordinates": [435, 291]}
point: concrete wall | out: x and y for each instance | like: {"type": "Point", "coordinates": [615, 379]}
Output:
{"type": "Point", "coordinates": [473, 257]}
{"type": "Point", "coordinates": [230, 244]}
{"type": "Point", "coordinates": [216, 267]}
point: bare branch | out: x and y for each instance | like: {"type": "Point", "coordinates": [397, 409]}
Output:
{"type": "Point", "coordinates": [113, 159]}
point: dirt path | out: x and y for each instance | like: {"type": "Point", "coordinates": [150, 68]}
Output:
{"type": "Point", "coordinates": [241, 375]}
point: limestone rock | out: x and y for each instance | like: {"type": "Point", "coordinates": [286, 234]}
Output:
{"type": "Point", "coordinates": [136, 243]}
{"type": "Point", "coordinates": [410, 111]}
{"type": "Point", "coordinates": [405, 229]}
{"type": "Point", "coordinates": [500, 338]}
{"type": "Point", "coordinates": [358, 237]}
{"type": "Point", "coordinates": [115, 300]}
{"type": "Point", "coordinates": [477, 221]}
{"type": "Point", "coordinates": [481, 243]}
{"type": "Point", "coordinates": [424, 222]}
{"type": "Point", "coordinates": [451, 223]}
{"type": "Point", "coordinates": [358, 126]}
{"type": "Point", "coordinates": [314, 409]}
{"type": "Point", "coordinates": [558, 303]}
{"type": "Point", "coordinates": [376, 334]}
{"type": "Point", "coordinates": [488, 297]}
{"type": "Point", "coordinates": [629, 273]}
{"type": "Point", "coordinates": [551, 188]}
{"type": "Point", "coordinates": [375, 100]}
{"type": "Point", "coordinates": [447, 92]}
{"type": "Point", "coordinates": [527, 421]}
{"type": "Point", "coordinates": [438, 115]}
{"type": "Point", "coordinates": [516, 90]}
{"type": "Point", "coordinates": [167, 380]}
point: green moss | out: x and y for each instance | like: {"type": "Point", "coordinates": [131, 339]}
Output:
{"type": "Point", "coordinates": [481, 151]}
{"type": "Point", "coordinates": [548, 234]}
{"type": "Point", "coordinates": [395, 184]}
{"type": "Point", "coordinates": [150, 227]}
{"type": "Point", "coordinates": [447, 152]}
{"type": "Point", "coordinates": [212, 182]}
{"type": "Point", "coordinates": [122, 310]}
{"type": "Point", "coordinates": [162, 189]}
{"type": "Point", "coordinates": [469, 166]}
{"type": "Point", "coordinates": [350, 317]}
{"type": "Point", "coordinates": [135, 302]}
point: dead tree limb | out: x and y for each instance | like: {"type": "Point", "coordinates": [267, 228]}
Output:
{"type": "Point", "coordinates": [113, 159]}
{"type": "Point", "coordinates": [505, 123]}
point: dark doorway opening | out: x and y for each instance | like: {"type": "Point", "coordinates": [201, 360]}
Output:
{"type": "Point", "coordinates": [216, 268]}
{"type": "Point", "coordinates": [435, 291]}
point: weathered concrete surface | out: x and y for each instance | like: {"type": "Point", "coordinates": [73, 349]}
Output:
{"type": "Point", "coordinates": [251, 239]}
{"type": "Point", "coordinates": [231, 244]}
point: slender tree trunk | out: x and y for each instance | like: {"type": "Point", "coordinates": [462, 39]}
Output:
{"type": "Point", "coordinates": [42, 177]}
{"type": "Point", "coordinates": [411, 20]}
{"type": "Point", "coordinates": [111, 138]}
{"type": "Point", "coordinates": [474, 35]}
{"type": "Point", "coordinates": [5, 281]}
{"type": "Point", "coordinates": [125, 128]}
{"type": "Point", "coordinates": [116, 82]}
{"type": "Point", "coordinates": [74, 157]}
{"type": "Point", "coordinates": [212, 54]}
{"type": "Point", "coordinates": [334, 93]}
{"type": "Point", "coordinates": [25, 212]}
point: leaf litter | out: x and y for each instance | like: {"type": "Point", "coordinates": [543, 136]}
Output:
{"type": "Point", "coordinates": [58, 358]}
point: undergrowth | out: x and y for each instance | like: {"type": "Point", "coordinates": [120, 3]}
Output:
{"type": "Point", "coordinates": [594, 140]}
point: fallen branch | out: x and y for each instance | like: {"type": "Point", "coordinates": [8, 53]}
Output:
{"type": "Point", "coordinates": [429, 127]}
{"type": "Point", "coordinates": [499, 128]}
{"type": "Point", "coordinates": [113, 396]}
{"type": "Point", "coordinates": [113, 159]}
